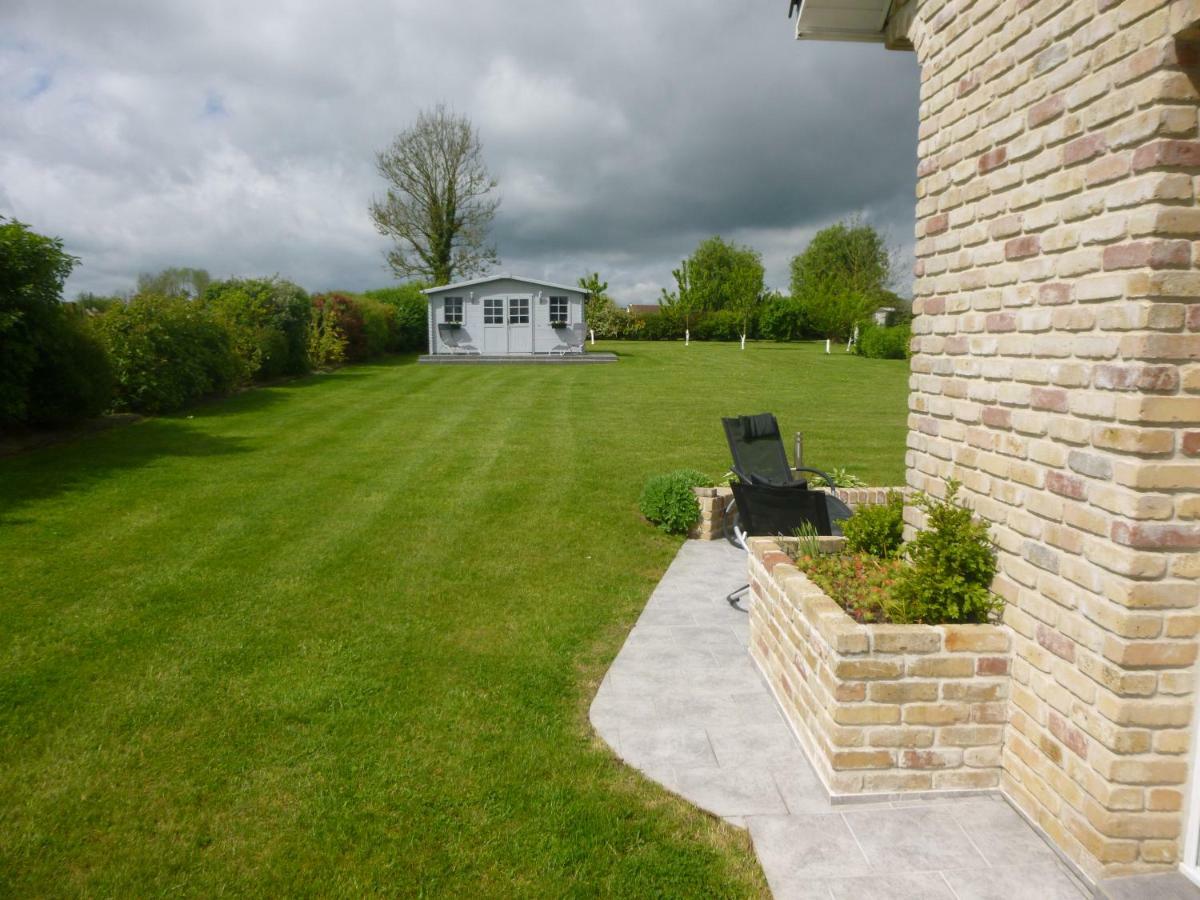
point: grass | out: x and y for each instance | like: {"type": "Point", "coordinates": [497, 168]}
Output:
{"type": "Point", "coordinates": [339, 636]}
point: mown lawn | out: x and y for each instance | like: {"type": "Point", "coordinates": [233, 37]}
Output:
{"type": "Point", "coordinates": [338, 637]}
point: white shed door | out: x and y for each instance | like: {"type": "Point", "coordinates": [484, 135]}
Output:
{"type": "Point", "coordinates": [495, 331]}
{"type": "Point", "coordinates": [520, 327]}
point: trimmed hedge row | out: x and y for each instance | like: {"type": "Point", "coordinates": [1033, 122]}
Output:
{"type": "Point", "coordinates": [155, 353]}
{"type": "Point", "coordinates": [168, 351]}
{"type": "Point", "coordinates": [779, 318]}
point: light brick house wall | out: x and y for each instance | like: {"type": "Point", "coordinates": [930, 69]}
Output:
{"type": "Point", "coordinates": [1056, 373]}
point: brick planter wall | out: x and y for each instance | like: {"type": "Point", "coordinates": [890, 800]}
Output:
{"type": "Point", "coordinates": [713, 520]}
{"type": "Point", "coordinates": [879, 708]}
{"type": "Point", "coordinates": [714, 503]}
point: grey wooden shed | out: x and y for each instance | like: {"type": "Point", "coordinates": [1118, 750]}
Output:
{"type": "Point", "coordinates": [505, 315]}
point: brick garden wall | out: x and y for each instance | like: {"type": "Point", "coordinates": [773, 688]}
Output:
{"type": "Point", "coordinates": [717, 514]}
{"type": "Point", "coordinates": [1056, 373]}
{"type": "Point", "coordinates": [879, 709]}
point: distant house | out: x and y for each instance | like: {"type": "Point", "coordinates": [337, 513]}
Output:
{"type": "Point", "coordinates": [504, 315]}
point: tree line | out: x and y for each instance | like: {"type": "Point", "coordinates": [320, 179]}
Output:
{"type": "Point", "coordinates": [837, 282]}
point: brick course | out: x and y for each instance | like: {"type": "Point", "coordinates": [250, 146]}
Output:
{"type": "Point", "coordinates": [1055, 374]}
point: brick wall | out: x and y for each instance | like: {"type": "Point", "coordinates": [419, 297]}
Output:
{"type": "Point", "coordinates": [717, 512]}
{"type": "Point", "coordinates": [879, 709]}
{"type": "Point", "coordinates": [1056, 373]}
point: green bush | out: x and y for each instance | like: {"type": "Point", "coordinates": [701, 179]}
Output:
{"type": "Point", "coordinates": [267, 320]}
{"type": "Point", "coordinates": [343, 312]}
{"type": "Point", "coordinates": [326, 346]}
{"type": "Point", "coordinates": [660, 327]}
{"type": "Point", "coordinates": [952, 564]}
{"type": "Point", "coordinates": [609, 321]}
{"type": "Point", "coordinates": [32, 271]}
{"type": "Point", "coordinates": [877, 529]}
{"type": "Point", "coordinates": [165, 352]}
{"type": "Point", "coordinates": [884, 343]}
{"type": "Point", "coordinates": [718, 325]}
{"type": "Point", "coordinates": [783, 319]}
{"type": "Point", "coordinates": [72, 378]}
{"type": "Point", "coordinates": [668, 501]}
{"type": "Point", "coordinates": [411, 314]}
{"type": "Point", "coordinates": [380, 327]}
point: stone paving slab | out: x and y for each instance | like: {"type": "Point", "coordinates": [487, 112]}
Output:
{"type": "Point", "coordinates": [684, 704]}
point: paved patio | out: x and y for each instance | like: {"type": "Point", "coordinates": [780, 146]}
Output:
{"type": "Point", "coordinates": [684, 704]}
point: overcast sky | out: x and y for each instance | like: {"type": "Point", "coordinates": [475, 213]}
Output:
{"type": "Point", "coordinates": [240, 137]}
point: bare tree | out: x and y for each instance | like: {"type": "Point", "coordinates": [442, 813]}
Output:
{"type": "Point", "coordinates": [439, 204]}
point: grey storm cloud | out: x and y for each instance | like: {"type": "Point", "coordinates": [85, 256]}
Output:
{"type": "Point", "coordinates": [240, 137]}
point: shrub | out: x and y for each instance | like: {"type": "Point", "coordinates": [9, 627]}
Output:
{"type": "Point", "coordinates": [348, 322]}
{"type": "Point", "coordinates": [379, 326]}
{"type": "Point", "coordinates": [884, 343]}
{"type": "Point", "coordinates": [842, 478]}
{"type": "Point", "coordinates": [782, 319]}
{"type": "Point", "coordinates": [952, 564]}
{"type": "Point", "coordinates": [609, 321]}
{"type": "Point", "coordinates": [718, 325]}
{"type": "Point", "coordinates": [859, 583]}
{"type": "Point", "coordinates": [877, 529]}
{"type": "Point", "coordinates": [411, 313]}
{"type": "Point", "coordinates": [32, 271]}
{"type": "Point", "coordinates": [73, 378]}
{"type": "Point", "coordinates": [267, 319]}
{"type": "Point", "coordinates": [166, 351]}
{"type": "Point", "coordinates": [660, 327]}
{"type": "Point", "coordinates": [326, 346]}
{"type": "Point", "coordinates": [668, 501]}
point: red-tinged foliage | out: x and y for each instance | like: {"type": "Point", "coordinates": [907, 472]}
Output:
{"type": "Point", "coordinates": [860, 583]}
{"type": "Point", "coordinates": [349, 323]}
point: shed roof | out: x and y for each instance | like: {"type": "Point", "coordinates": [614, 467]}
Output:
{"type": "Point", "coordinates": [458, 286]}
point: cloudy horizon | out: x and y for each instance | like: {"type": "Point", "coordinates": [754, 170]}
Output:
{"type": "Point", "coordinates": [241, 140]}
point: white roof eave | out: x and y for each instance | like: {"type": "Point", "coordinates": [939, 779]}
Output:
{"type": "Point", "coordinates": [842, 20]}
{"type": "Point", "coordinates": [458, 286]}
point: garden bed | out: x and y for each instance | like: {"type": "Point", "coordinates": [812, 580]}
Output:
{"type": "Point", "coordinates": [879, 708]}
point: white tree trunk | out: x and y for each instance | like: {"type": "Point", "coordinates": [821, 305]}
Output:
{"type": "Point", "coordinates": [592, 332]}
{"type": "Point", "coordinates": [826, 345]}
{"type": "Point", "coordinates": [687, 336]}
{"type": "Point", "coordinates": [743, 342]}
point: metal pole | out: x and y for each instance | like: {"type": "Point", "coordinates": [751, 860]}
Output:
{"type": "Point", "coordinates": [799, 450]}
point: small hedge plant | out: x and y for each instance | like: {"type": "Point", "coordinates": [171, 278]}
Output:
{"type": "Point", "coordinates": [877, 342]}
{"type": "Point", "coordinates": [877, 529]}
{"type": "Point", "coordinates": [951, 566]}
{"type": "Point", "coordinates": [668, 502]}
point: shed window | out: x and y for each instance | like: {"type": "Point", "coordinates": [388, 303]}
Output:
{"type": "Point", "coordinates": [493, 310]}
{"type": "Point", "coordinates": [559, 309]}
{"type": "Point", "coordinates": [452, 314]}
{"type": "Point", "coordinates": [518, 311]}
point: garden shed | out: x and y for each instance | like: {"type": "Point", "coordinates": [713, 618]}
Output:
{"type": "Point", "coordinates": [504, 315]}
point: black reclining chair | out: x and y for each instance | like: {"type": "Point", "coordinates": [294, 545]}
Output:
{"type": "Point", "coordinates": [770, 500]}
{"type": "Point", "coordinates": [758, 454]}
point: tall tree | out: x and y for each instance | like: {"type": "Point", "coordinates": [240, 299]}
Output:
{"type": "Point", "coordinates": [683, 302]}
{"type": "Point", "coordinates": [439, 204]}
{"type": "Point", "coordinates": [176, 281]}
{"type": "Point", "coordinates": [719, 274]}
{"type": "Point", "coordinates": [724, 274]}
{"type": "Point", "coordinates": [841, 277]}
